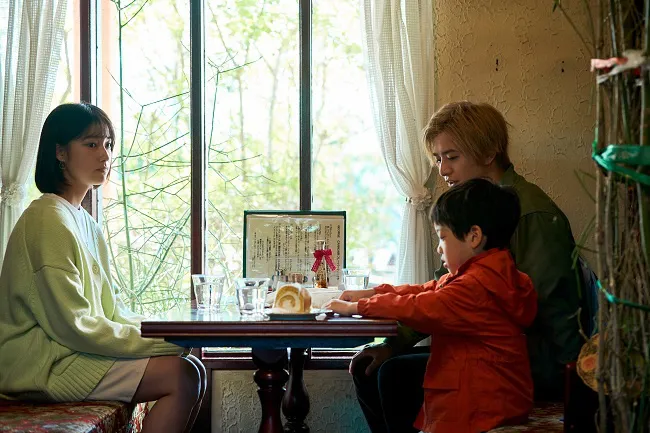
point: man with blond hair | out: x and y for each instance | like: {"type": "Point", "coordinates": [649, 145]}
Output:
{"type": "Point", "coordinates": [465, 141]}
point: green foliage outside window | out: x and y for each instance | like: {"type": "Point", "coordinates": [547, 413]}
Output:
{"type": "Point", "coordinates": [252, 124]}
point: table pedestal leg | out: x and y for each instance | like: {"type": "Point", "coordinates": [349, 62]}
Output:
{"type": "Point", "coordinates": [270, 378]}
{"type": "Point", "coordinates": [295, 404]}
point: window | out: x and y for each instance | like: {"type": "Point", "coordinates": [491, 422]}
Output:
{"type": "Point", "coordinates": [348, 169]}
{"type": "Point", "coordinates": [145, 82]}
{"type": "Point", "coordinates": [254, 129]}
{"type": "Point", "coordinates": [67, 85]}
{"type": "Point", "coordinates": [252, 120]}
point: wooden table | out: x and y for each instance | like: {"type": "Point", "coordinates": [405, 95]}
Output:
{"type": "Point", "coordinates": [192, 328]}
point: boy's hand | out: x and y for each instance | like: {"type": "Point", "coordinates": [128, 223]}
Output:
{"type": "Point", "coordinates": [344, 308]}
{"type": "Point", "coordinates": [355, 295]}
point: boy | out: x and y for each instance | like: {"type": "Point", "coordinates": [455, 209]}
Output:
{"type": "Point", "coordinates": [478, 374]}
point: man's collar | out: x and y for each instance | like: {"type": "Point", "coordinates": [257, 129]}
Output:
{"type": "Point", "coordinates": [508, 177]}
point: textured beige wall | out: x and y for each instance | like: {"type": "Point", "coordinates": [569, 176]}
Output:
{"type": "Point", "coordinates": [334, 408]}
{"type": "Point", "coordinates": [541, 83]}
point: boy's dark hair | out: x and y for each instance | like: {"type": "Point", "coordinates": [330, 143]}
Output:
{"type": "Point", "coordinates": [495, 209]}
{"type": "Point", "coordinates": [65, 123]}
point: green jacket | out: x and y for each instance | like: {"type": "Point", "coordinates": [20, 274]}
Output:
{"type": "Point", "coordinates": [541, 246]}
{"type": "Point", "coordinates": [61, 324]}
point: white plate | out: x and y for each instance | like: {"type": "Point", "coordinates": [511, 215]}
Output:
{"type": "Point", "coordinates": [297, 316]}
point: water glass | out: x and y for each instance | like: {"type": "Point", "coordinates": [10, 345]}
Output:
{"type": "Point", "coordinates": [208, 290]}
{"type": "Point", "coordinates": [251, 294]}
{"type": "Point", "coordinates": [356, 278]}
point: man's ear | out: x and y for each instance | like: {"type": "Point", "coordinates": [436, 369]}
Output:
{"type": "Point", "coordinates": [489, 159]}
{"type": "Point", "coordinates": [476, 237]}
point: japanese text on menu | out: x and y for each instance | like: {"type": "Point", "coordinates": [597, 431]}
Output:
{"type": "Point", "coordinates": [287, 243]}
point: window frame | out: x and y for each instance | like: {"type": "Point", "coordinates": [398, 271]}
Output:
{"type": "Point", "coordinates": [90, 39]}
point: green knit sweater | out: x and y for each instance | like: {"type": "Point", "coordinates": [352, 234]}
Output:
{"type": "Point", "coordinates": [62, 326]}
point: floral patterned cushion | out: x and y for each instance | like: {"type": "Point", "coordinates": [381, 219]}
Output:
{"type": "Point", "coordinates": [545, 418]}
{"type": "Point", "coordinates": [79, 417]}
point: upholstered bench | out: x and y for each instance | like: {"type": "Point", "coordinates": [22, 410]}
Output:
{"type": "Point", "coordinates": [575, 415]}
{"type": "Point", "coordinates": [544, 418]}
{"type": "Point", "coordinates": [81, 417]}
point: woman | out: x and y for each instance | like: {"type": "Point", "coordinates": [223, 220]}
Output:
{"type": "Point", "coordinates": [65, 335]}
{"type": "Point", "coordinates": [466, 141]}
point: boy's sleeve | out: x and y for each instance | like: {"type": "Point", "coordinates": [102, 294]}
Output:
{"type": "Point", "coordinates": [406, 336]}
{"type": "Point", "coordinates": [406, 289]}
{"type": "Point", "coordinates": [451, 309]}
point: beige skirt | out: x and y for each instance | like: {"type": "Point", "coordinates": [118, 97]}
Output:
{"type": "Point", "coordinates": [121, 381]}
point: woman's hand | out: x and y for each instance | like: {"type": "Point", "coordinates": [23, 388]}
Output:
{"type": "Point", "coordinates": [355, 295]}
{"type": "Point", "coordinates": [344, 308]}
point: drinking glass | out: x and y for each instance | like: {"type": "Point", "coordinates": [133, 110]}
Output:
{"type": "Point", "coordinates": [208, 290]}
{"type": "Point", "coordinates": [356, 278]}
{"type": "Point", "coordinates": [251, 294]}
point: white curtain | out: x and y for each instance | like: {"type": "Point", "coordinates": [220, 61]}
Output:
{"type": "Point", "coordinates": [398, 42]}
{"type": "Point", "coordinates": [31, 40]}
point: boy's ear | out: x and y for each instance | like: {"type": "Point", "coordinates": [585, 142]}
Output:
{"type": "Point", "coordinates": [476, 237]}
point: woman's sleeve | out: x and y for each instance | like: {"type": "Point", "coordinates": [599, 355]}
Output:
{"type": "Point", "coordinates": [124, 315]}
{"type": "Point", "coordinates": [120, 312]}
{"type": "Point", "coordinates": [57, 300]}
{"type": "Point", "coordinates": [64, 314]}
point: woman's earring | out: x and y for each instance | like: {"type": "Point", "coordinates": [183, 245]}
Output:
{"type": "Point", "coordinates": [62, 165]}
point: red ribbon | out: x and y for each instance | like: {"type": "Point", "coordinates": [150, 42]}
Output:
{"type": "Point", "coordinates": [327, 254]}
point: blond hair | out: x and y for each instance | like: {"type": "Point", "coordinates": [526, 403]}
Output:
{"type": "Point", "coordinates": [479, 130]}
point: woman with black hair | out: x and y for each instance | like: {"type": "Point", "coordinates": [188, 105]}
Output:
{"type": "Point", "coordinates": [59, 303]}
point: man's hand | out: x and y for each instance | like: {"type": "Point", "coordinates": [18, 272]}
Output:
{"type": "Point", "coordinates": [355, 295]}
{"type": "Point", "coordinates": [378, 353]}
{"type": "Point", "coordinates": [344, 308]}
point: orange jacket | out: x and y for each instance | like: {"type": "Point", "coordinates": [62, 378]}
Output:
{"type": "Point", "coordinates": [478, 373]}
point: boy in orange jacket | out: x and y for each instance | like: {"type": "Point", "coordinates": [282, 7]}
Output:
{"type": "Point", "coordinates": [478, 374]}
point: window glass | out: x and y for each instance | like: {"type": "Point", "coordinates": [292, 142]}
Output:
{"type": "Point", "coordinates": [145, 83]}
{"type": "Point", "coordinates": [252, 121]}
{"type": "Point", "coordinates": [349, 172]}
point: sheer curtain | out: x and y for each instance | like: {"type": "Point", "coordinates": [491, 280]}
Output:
{"type": "Point", "coordinates": [398, 42]}
{"type": "Point", "coordinates": [31, 39]}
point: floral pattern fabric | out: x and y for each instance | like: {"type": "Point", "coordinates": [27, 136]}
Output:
{"type": "Point", "coordinates": [544, 418]}
{"type": "Point", "coordinates": [78, 417]}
